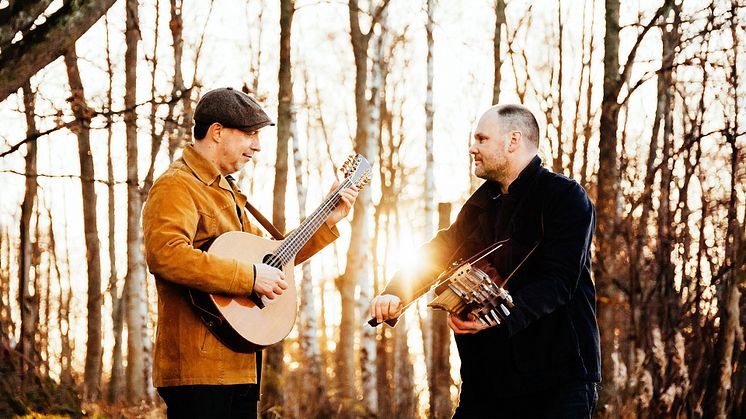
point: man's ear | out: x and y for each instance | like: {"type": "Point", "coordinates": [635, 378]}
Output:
{"type": "Point", "coordinates": [515, 140]}
{"type": "Point", "coordinates": [215, 131]}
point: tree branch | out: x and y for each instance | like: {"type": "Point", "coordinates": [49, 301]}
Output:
{"type": "Point", "coordinates": [633, 52]}
{"type": "Point", "coordinates": [46, 43]}
{"type": "Point", "coordinates": [161, 101]}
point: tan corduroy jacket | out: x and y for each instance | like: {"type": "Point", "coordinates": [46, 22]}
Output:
{"type": "Point", "coordinates": [190, 204]}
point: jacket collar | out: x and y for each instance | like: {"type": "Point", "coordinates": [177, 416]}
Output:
{"type": "Point", "coordinates": [491, 189]}
{"type": "Point", "coordinates": [522, 182]}
{"type": "Point", "coordinates": [205, 170]}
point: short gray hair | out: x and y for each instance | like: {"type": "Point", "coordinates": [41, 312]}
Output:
{"type": "Point", "coordinates": [519, 118]}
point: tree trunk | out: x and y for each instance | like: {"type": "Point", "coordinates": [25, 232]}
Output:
{"type": "Point", "coordinates": [356, 266]}
{"type": "Point", "coordinates": [367, 352]}
{"type": "Point", "coordinates": [557, 164]}
{"type": "Point", "coordinates": [42, 45]}
{"type": "Point", "coordinates": [496, 46]}
{"type": "Point", "coordinates": [6, 325]}
{"type": "Point", "coordinates": [440, 376]}
{"type": "Point", "coordinates": [26, 300]}
{"type": "Point", "coordinates": [313, 381]}
{"type": "Point", "coordinates": [155, 138]}
{"type": "Point", "coordinates": [406, 398]}
{"type": "Point", "coordinates": [606, 202]}
{"type": "Point", "coordinates": [730, 331]}
{"type": "Point", "coordinates": [669, 307]}
{"type": "Point", "coordinates": [429, 185]}
{"type": "Point", "coordinates": [272, 394]}
{"type": "Point", "coordinates": [94, 351]}
{"type": "Point", "coordinates": [175, 131]}
{"type": "Point", "coordinates": [116, 381]}
{"type": "Point", "coordinates": [134, 282]}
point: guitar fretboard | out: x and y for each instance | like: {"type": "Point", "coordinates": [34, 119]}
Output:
{"type": "Point", "coordinates": [295, 241]}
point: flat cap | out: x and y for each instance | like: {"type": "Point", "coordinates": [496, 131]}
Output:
{"type": "Point", "coordinates": [232, 109]}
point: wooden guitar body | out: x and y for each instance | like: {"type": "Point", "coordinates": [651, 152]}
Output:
{"type": "Point", "coordinates": [241, 323]}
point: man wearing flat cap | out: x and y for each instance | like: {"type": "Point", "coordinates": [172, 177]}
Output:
{"type": "Point", "coordinates": [189, 205]}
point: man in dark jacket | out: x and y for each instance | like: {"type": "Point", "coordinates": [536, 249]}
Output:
{"type": "Point", "coordinates": [543, 360]}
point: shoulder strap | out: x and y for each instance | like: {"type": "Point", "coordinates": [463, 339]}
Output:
{"type": "Point", "coordinates": [264, 222]}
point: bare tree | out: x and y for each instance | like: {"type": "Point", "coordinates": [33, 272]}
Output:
{"type": "Point", "coordinates": [496, 49]}
{"type": "Point", "coordinates": [357, 267]}
{"type": "Point", "coordinates": [273, 363]}
{"type": "Point", "coordinates": [730, 339]}
{"type": "Point", "coordinates": [608, 183]}
{"type": "Point", "coordinates": [440, 377]}
{"type": "Point", "coordinates": [135, 279]}
{"type": "Point", "coordinates": [27, 301]}
{"type": "Point", "coordinates": [116, 380]}
{"type": "Point", "coordinates": [81, 111]}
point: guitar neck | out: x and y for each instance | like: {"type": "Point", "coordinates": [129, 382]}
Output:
{"type": "Point", "coordinates": [298, 238]}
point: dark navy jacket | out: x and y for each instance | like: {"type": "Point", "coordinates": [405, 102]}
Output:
{"type": "Point", "coordinates": [551, 336]}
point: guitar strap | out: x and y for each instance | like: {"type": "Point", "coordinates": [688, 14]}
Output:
{"type": "Point", "coordinates": [264, 222]}
{"type": "Point", "coordinates": [278, 236]}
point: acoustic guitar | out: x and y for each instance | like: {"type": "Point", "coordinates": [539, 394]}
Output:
{"type": "Point", "coordinates": [250, 324]}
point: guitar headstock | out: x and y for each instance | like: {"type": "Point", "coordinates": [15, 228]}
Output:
{"type": "Point", "coordinates": [357, 170]}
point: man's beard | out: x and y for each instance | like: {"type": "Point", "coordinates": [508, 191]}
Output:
{"type": "Point", "coordinates": [496, 174]}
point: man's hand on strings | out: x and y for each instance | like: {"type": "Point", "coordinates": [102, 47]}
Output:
{"type": "Point", "coordinates": [347, 197]}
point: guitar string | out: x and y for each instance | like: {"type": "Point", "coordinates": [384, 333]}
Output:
{"type": "Point", "coordinates": [317, 218]}
{"type": "Point", "coordinates": [290, 248]}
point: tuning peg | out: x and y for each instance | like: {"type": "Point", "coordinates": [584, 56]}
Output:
{"type": "Point", "coordinates": [343, 167]}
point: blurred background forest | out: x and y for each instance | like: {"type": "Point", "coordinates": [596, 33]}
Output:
{"type": "Point", "coordinates": [643, 103]}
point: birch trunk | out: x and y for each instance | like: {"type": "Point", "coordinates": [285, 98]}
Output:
{"type": "Point", "coordinates": [94, 351]}
{"type": "Point", "coordinates": [116, 381]}
{"type": "Point", "coordinates": [26, 300]}
{"type": "Point", "coordinates": [357, 253]}
{"type": "Point", "coordinates": [357, 271]}
{"type": "Point", "coordinates": [312, 380]}
{"type": "Point", "coordinates": [135, 280]}
{"type": "Point", "coordinates": [367, 359]}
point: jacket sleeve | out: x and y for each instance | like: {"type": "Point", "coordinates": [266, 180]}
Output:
{"type": "Point", "coordinates": [569, 221]}
{"type": "Point", "coordinates": [414, 280]}
{"type": "Point", "coordinates": [170, 220]}
{"type": "Point", "coordinates": [323, 236]}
